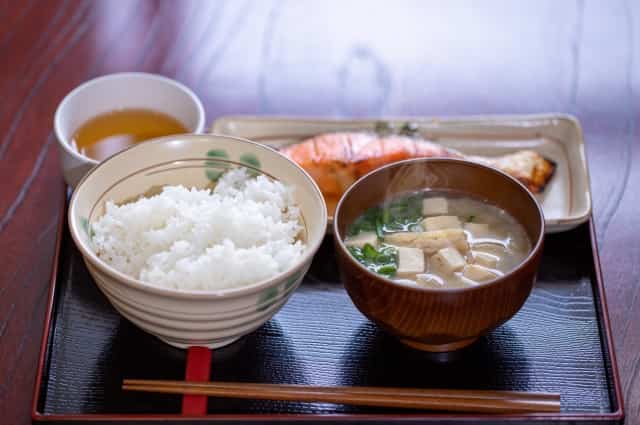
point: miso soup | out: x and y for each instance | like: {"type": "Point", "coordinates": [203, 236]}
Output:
{"type": "Point", "coordinates": [438, 240]}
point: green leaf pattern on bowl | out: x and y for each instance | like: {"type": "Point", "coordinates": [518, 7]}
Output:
{"type": "Point", "coordinates": [213, 175]}
{"type": "Point", "coordinates": [218, 164]}
{"type": "Point", "coordinates": [84, 222]}
{"type": "Point", "coordinates": [217, 167]}
{"type": "Point", "coordinates": [217, 153]}
{"type": "Point", "coordinates": [267, 298]}
{"type": "Point", "coordinates": [292, 281]}
{"type": "Point", "coordinates": [250, 160]}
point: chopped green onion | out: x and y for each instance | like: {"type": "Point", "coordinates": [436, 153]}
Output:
{"type": "Point", "coordinates": [386, 215]}
{"type": "Point", "coordinates": [369, 252]}
{"type": "Point", "coordinates": [382, 260]}
{"type": "Point", "coordinates": [388, 269]}
{"type": "Point", "coordinates": [379, 228]}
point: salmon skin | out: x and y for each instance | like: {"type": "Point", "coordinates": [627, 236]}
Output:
{"type": "Point", "coordinates": [337, 160]}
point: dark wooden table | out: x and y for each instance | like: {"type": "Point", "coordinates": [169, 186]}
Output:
{"type": "Point", "coordinates": [326, 59]}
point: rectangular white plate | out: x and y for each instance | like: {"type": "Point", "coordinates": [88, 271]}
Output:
{"type": "Point", "coordinates": [566, 200]}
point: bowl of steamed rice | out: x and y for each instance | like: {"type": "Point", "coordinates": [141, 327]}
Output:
{"type": "Point", "coordinates": [197, 239]}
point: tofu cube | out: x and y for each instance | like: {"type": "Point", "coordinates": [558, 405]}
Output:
{"type": "Point", "coordinates": [478, 273]}
{"type": "Point", "coordinates": [410, 260]}
{"type": "Point", "coordinates": [429, 281]}
{"type": "Point", "coordinates": [361, 239]}
{"type": "Point", "coordinates": [410, 239]}
{"type": "Point", "coordinates": [485, 259]}
{"type": "Point", "coordinates": [478, 230]}
{"type": "Point", "coordinates": [490, 248]}
{"type": "Point", "coordinates": [441, 222]}
{"type": "Point", "coordinates": [448, 260]}
{"type": "Point", "coordinates": [430, 242]}
{"type": "Point", "coordinates": [435, 206]}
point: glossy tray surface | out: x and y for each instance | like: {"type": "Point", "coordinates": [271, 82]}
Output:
{"type": "Point", "coordinates": [557, 343]}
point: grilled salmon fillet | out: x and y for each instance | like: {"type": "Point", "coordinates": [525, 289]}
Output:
{"type": "Point", "coordinates": [337, 160]}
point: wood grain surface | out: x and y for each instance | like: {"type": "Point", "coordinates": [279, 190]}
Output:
{"type": "Point", "coordinates": [331, 58]}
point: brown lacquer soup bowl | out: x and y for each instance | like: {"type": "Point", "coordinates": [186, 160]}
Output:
{"type": "Point", "coordinates": [439, 319]}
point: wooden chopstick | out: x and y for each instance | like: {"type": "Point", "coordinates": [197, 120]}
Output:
{"type": "Point", "coordinates": [408, 398]}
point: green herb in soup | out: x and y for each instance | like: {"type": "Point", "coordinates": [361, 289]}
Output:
{"type": "Point", "coordinates": [381, 260]}
{"type": "Point", "coordinates": [438, 240]}
{"type": "Point", "coordinates": [398, 215]}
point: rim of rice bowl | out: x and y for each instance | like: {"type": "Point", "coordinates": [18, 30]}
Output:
{"type": "Point", "coordinates": [91, 256]}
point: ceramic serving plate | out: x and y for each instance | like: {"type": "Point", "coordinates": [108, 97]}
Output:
{"type": "Point", "coordinates": [566, 201]}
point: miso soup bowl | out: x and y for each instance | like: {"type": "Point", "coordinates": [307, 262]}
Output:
{"type": "Point", "coordinates": [439, 319]}
{"type": "Point", "coordinates": [184, 318]}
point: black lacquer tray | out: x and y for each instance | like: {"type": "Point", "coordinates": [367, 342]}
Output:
{"type": "Point", "coordinates": [559, 342]}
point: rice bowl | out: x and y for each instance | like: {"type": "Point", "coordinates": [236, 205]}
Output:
{"type": "Point", "coordinates": [213, 309]}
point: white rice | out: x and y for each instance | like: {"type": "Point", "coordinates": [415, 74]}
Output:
{"type": "Point", "coordinates": [240, 233]}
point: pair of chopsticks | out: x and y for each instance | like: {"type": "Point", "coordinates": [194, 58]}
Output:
{"type": "Point", "coordinates": [480, 401]}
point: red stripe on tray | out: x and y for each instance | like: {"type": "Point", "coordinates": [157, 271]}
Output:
{"type": "Point", "coordinates": [198, 369]}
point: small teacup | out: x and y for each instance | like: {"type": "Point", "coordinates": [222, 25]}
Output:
{"type": "Point", "coordinates": [120, 91]}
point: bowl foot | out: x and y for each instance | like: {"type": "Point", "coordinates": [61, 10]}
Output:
{"type": "Point", "coordinates": [183, 346]}
{"type": "Point", "coordinates": [439, 348]}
